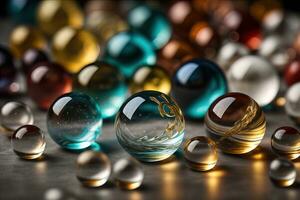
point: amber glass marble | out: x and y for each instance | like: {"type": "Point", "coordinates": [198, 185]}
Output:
{"type": "Point", "coordinates": [23, 38]}
{"type": "Point", "coordinates": [236, 123]}
{"type": "Point", "coordinates": [32, 57]}
{"type": "Point", "coordinates": [74, 48]}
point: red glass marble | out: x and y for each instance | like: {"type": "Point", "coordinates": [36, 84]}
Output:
{"type": "Point", "coordinates": [32, 57]}
{"type": "Point", "coordinates": [292, 72]}
{"type": "Point", "coordinates": [46, 81]}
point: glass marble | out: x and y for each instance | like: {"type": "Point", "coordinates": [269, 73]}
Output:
{"type": "Point", "coordinates": [15, 114]}
{"type": "Point", "coordinates": [28, 142]}
{"type": "Point", "coordinates": [200, 153]}
{"type": "Point", "coordinates": [128, 51]}
{"type": "Point", "coordinates": [22, 11]}
{"type": "Point", "coordinates": [105, 84]}
{"type": "Point", "coordinates": [136, 133]}
{"type": "Point", "coordinates": [282, 172]}
{"type": "Point", "coordinates": [256, 77]}
{"type": "Point", "coordinates": [128, 174]}
{"type": "Point", "coordinates": [236, 123]}
{"type": "Point", "coordinates": [46, 81]}
{"type": "Point", "coordinates": [93, 168]}
{"type": "Point", "coordinates": [74, 121]}
{"type": "Point", "coordinates": [150, 78]}
{"type": "Point", "coordinates": [52, 15]}
{"type": "Point", "coordinates": [74, 48]}
{"type": "Point", "coordinates": [25, 37]}
{"type": "Point", "coordinates": [292, 72]}
{"type": "Point", "coordinates": [196, 84]}
{"type": "Point", "coordinates": [292, 105]}
{"type": "Point", "coordinates": [152, 23]}
{"type": "Point", "coordinates": [285, 142]}
{"type": "Point", "coordinates": [31, 57]}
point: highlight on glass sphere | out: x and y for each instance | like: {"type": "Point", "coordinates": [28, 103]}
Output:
{"type": "Point", "coordinates": [292, 105]}
{"type": "Point", "coordinates": [236, 123]}
{"type": "Point", "coordinates": [93, 168]}
{"type": "Point", "coordinates": [128, 174]}
{"type": "Point", "coordinates": [74, 121]}
{"type": "Point", "coordinates": [135, 128]}
{"type": "Point", "coordinates": [292, 72]}
{"type": "Point", "coordinates": [282, 172]}
{"type": "Point", "coordinates": [28, 142]}
{"type": "Point", "coordinates": [105, 83]}
{"type": "Point", "coordinates": [31, 57]}
{"type": "Point", "coordinates": [256, 77]}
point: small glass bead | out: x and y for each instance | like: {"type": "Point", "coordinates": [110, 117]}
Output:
{"type": "Point", "coordinates": [292, 105]}
{"type": "Point", "coordinates": [282, 172]}
{"type": "Point", "coordinates": [285, 142]}
{"type": "Point", "coordinates": [74, 121]}
{"type": "Point", "coordinates": [128, 174]}
{"type": "Point", "coordinates": [150, 78]}
{"type": "Point", "coordinates": [31, 57]}
{"type": "Point", "coordinates": [15, 114]}
{"type": "Point", "coordinates": [236, 123]}
{"type": "Point", "coordinates": [200, 153]}
{"type": "Point", "coordinates": [93, 168]}
{"type": "Point", "coordinates": [137, 134]}
{"type": "Point", "coordinates": [28, 142]}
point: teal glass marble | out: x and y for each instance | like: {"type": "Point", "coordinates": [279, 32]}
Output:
{"type": "Point", "coordinates": [152, 23]}
{"type": "Point", "coordinates": [22, 11]}
{"type": "Point", "coordinates": [74, 121]}
{"type": "Point", "coordinates": [196, 84]}
{"type": "Point", "coordinates": [105, 84]}
{"type": "Point", "coordinates": [128, 51]}
{"type": "Point", "coordinates": [150, 126]}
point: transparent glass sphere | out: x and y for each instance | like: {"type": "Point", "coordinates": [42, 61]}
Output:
{"type": "Point", "coordinates": [15, 114]}
{"type": "Point", "coordinates": [128, 174]}
{"type": "Point", "coordinates": [292, 105]}
{"type": "Point", "coordinates": [93, 168]}
{"type": "Point", "coordinates": [201, 153]}
{"type": "Point", "coordinates": [28, 142]}
{"type": "Point", "coordinates": [150, 126]}
{"type": "Point", "coordinates": [282, 172]}
{"type": "Point", "coordinates": [256, 77]}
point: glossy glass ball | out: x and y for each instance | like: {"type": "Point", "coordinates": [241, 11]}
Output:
{"type": "Point", "coordinates": [292, 72]}
{"type": "Point", "coordinates": [74, 48]}
{"type": "Point", "coordinates": [31, 57]}
{"type": "Point", "coordinates": [105, 84]}
{"type": "Point", "coordinates": [282, 172]}
{"type": "Point", "coordinates": [152, 23]}
{"type": "Point", "coordinates": [135, 130]}
{"type": "Point", "coordinates": [22, 11]}
{"type": "Point", "coordinates": [93, 168]}
{"type": "Point", "coordinates": [74, 121]}
{"type": "Point", "coordinates": [256, 77]}
{"type": "Point", "coordinates": [196, 84]}
{"type": "Point", "coordinates": [292, 105]}
{"type": "Point", "coordinates": [28, 142]}
{"type": "Point", "coordinates": [285, 142]}
{"type": "Point", "coordinates": [150, 78]}
{"type": "Point", "coordinates": [15, 114]}
{"type": "Point", "coordinates": [200, 153]}
{"type": "Point", "coordinates": [128, 51]}
{"type": "Point", "coordinates": [46, 81]}
{"type": "Point", "coordinates": [128, 174]}
{"type": "Point", "coordinates": [236, 123]}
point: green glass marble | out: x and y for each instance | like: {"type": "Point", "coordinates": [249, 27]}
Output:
{"type": "Point", "coordinates": [74, 121]}
{"type": "Point", "coordinates": [128, 51]}
{"type": "Point", "coordinates": [152, 23]}
{"type": "Point", "coordinates": [105, 84]}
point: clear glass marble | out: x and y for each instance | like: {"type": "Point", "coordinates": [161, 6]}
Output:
{"type": "Point", "coordinates": [28, 142]}
{"type": "Point", "coordinates": [292, 105]}
{"type": "Point", "coordinates": [93, 168]}
{"type": "Point", "coordinates": [128, 174]}
{"type": "Point", "coordinates": [282, 172]}
{"type": "Point", "coordinates": [200, 153]}
{"type": "Point", "coordinates": [15, 114]}
{"type": "Point", "coordinates": [256, 77]}
{"type": "Point", "coordinates": [150, 126]}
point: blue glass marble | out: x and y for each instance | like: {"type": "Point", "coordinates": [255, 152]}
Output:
{"type": "Point", "coordinates": [105, 84]}
{"type": "Point", "coordinates": [152, 23]}
{"type": "Point", "coordinates": [196, 84]}
{"type": "Point", "coordinates": [74, 121]}
{"type": "Point", "coordinates": [150, 126]}
{"type": "Point", "coordinates": [128, 51]}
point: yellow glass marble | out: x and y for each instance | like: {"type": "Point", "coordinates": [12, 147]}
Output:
{"type": "Point", "coordinates": [23, 38]}
{"type": "Point", "coordinates": [74, 48]}
{"type": "Point", "coordinates": [150, 78]}
{"type": "Point", "coordinates": [52, 15]}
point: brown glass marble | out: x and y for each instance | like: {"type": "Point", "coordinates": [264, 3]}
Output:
{"type": "Point", "coordinates": [32, 57]}
{"type": "Point", "coordinates": [292, 72]}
